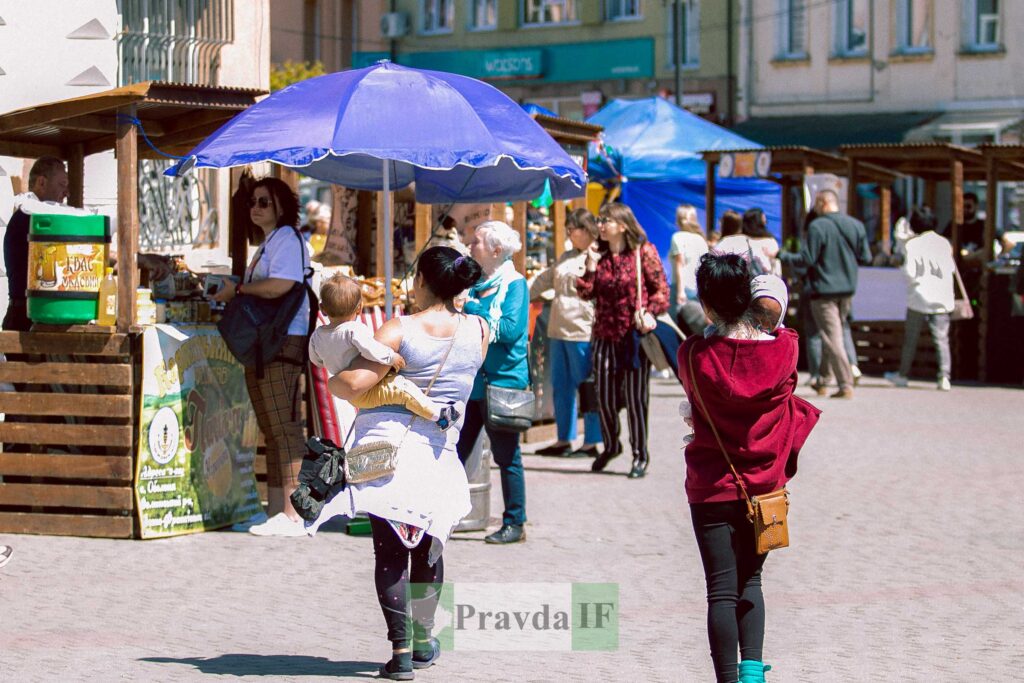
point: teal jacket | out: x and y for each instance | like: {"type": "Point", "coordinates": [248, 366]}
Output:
{"type": "Point", "coordinates": [506, 362]}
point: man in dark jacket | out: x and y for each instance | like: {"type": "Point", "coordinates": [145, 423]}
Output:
{"type": "Point", "coordinates": [835, 245]}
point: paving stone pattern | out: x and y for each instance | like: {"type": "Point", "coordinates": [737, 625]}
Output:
{"type": "Point", "coordinates": [905, 566]}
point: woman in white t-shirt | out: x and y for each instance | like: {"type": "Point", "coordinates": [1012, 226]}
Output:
{"type": "Point", "coordinates": [688, 245]}
{"type": "Point", "coordinates": [280, 262]}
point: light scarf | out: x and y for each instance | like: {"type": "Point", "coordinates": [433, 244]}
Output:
{"type": "Point", "coordinates": [502, 277]}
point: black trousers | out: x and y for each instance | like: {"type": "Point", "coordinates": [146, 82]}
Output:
{"type": "Point", "coordinates": [619, 385]}
{"type": "Point", "coordinates": [732, 570]}
{"type": "Point", "coordinates": [408, 587]}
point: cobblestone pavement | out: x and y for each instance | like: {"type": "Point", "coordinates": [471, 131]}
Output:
{"type": "Point", "coordinates": [905, 566]}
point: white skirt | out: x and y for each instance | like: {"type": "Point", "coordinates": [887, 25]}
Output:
{"type": "Point", "coordinates": [428, 490]}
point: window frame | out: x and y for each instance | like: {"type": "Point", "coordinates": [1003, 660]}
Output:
{"type": "Point", "coordinates": [639, 16]}
{"type": "Point", "coordinates": [524, 6]}
{"type": "Point", "coordinates": [443, 31]}
{"type": "Point", "coordinates": [842, 31]}
{"type": "Point", "coordinates": [471, 24]}
{"type": "Point", "coordinates": [904, 27]}
{"type": "Point", "coordinates": [785, 32]}
{"type": "Point", "coordinates": [971, 27]}
{"type": "Point", "coordinates": [691, 38]}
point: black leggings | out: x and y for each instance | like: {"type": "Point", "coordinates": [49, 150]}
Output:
{"type": "Point", "coordinates": [392, 577]}
{"type": "Point", "coordinates": [732, 570]}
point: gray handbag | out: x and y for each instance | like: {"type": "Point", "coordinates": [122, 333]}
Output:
{"type": "Point", "coordinates": [508, 410]}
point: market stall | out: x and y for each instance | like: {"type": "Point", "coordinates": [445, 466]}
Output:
{"type": "Point", "coordinates": [75, 423]}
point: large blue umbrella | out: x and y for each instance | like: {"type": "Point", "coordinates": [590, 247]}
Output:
{"type": "Point", "coordinates": [385, 126]}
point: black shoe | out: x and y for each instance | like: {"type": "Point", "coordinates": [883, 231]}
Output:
{"type": "Point", "coordinates": [398, 669]}
{"type": "Point", "coordinates": [449, 416]}
{"type": "Point", "coordinates": [554, 449]}
{"type": "Point", "coordinates": [508, 533]}
{"type": "Point", "coordinates": [638, 470]}
{"type": "Point", "coordinates": [585, 452]}
{"type": "Point", "coordinates": [421, 659]}
{"type": "Point", "coordinates": [602, 461]}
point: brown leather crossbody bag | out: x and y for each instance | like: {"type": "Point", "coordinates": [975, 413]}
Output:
{"type": "Point", "coordinates": [768, 512]}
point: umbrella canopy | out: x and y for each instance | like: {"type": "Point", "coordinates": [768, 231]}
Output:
{"type": "Point", "coordinates": [457, 138]}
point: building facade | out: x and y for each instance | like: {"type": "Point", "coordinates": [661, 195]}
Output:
{"type": "Point", "coordinates": [322, 31]}
{"type": "Point", "coordinates": [907, 69]}
{"type": "Point", "coordinates": [568, 56]}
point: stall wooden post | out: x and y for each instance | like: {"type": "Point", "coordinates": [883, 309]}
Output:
{"type": "Point", "coordinates": [930, 193]}
{"type": "Point", "coordinates": [380, 234]}
{"type": "Point", "coordinates": [289, 175]}
{"type": "Point", "coordinates": [519, 225]}
{"type": "Point", "coordinates": [423, 225]}
{"type": "Point", "coordinates": [558, 230]}
{"type": "Point", "coordinates": [127, 152]}
{"type": "Point", "coordinates": [76, 175]}
{"type": "Point", "coordinates": [238, 240]}
{"type": "Point", "coordinates": [578, 203]}
{"type": "Point", "coordinates": [709, 197]}
{"type": "Point", "coordinates": [885, 211]}
{"type": "Point", "coordinates": [956, 188]}
{"type": "Point", "coordinates": [991, 206]}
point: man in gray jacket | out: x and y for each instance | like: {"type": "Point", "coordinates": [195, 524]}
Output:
{"type": "Point", "coordinates": [835, 245]}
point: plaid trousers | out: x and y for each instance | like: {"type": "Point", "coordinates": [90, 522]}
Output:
{"type": "Point", "coordinates": [277, 400]}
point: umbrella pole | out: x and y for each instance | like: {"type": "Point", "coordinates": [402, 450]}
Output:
{"type": "Point", "coordinates": [389, 250]}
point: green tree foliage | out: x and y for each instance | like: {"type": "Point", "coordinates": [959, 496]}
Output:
{"type": "Point", "coordinates": [283, 75]}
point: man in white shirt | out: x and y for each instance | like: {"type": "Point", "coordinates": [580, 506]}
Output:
{"type": "Point", "coordinates": [929, 269]}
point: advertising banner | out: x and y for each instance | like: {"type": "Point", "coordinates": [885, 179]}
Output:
{"type": "Point", "coordinates": [198, 434]}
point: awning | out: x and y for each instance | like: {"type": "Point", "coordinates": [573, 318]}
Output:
{"type": "Point", "coordinates": [967, 127]}
{"type": "Point", "coordinates": [831, 131]}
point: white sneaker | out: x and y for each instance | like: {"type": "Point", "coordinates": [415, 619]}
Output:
{"type": "Point", "coordinates": [944, 384]}
{"type": "Point", "coordinates": [279, 525]}
{"type": "Point", "coordinates": [259, 518]}
{"type": "Point", "coordinates": [857, 374]}
{"type": "Point", "coordinates": [6, 552]}
{"type": "Point", "coordinates": [896, 379]}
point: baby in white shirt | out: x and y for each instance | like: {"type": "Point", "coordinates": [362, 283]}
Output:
{"type": "Point", "coordinates": [334, 347]}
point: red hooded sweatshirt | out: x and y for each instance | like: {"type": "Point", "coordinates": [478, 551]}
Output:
{"type": "Point", "coordinates": [747, 386]}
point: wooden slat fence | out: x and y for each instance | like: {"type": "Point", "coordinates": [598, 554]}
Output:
{"type": "Point", "coordinates": [68, 435]}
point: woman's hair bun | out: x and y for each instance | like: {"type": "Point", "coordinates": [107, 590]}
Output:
{"type": "Point", "coordinates": [447, 272]}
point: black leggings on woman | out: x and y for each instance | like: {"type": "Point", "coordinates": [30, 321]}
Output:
{"type": "Point", "coordinates": [732, 570]}
{"type": "Point", "coordinates": [392, 576]}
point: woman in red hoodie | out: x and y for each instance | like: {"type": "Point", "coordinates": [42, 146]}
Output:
{"type": "Point", "coordinates": [746, 379]}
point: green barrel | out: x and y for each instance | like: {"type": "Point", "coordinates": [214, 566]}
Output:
{"type": "Point", "coordinates": [66, 257]}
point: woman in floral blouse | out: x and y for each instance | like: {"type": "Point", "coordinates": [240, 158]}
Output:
{"type": "Point", "coordinates": [621, 370]}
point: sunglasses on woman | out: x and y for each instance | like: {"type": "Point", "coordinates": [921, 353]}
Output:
{"type": "Point", "coordinates": [262, 202]}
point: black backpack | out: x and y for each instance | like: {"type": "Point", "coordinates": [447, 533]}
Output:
{"type": "Point", "coordinates": [255, 329]}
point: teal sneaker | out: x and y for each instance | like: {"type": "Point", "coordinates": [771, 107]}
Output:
{"type": "Point", "coordinates": [752, 671]}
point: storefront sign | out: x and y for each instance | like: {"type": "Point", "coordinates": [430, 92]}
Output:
{"type": "Point", "coordinates": [198, 434]}
{"type": "Point", "coordinates": [512, 64]}
{"type": "Point", "coordinates": [745, 165]}
{"type": "Point", "coordinates": [699, 102]}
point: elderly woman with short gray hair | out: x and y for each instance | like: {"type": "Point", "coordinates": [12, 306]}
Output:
{"type": "Point", "coordinates": [502, 299]}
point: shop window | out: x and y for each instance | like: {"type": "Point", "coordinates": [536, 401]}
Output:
{"type": "Point", "coordinates": [981, 29]}
{"type": "Point", "coordinates": [688, 23]}
{"type": "Point", "coordinates": [793, 29]}
{"type": "Point", "coordinates": [547, 12]}
{"type": "Point", "coordinates": [622, 10]}
{"type": "Point", "coordinates": [852, 19]}
{"type": "Point", "coordinates": [483, 15]}
{"type": "Point", "coordinates": [914, 26]}
{"type": "Point", "coordinates": [437, 16]}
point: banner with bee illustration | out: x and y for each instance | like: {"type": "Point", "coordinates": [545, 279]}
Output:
{"type": "Point", "coordinates": [198, 436]}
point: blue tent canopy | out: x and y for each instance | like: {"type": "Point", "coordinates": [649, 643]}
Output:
{"type": "Point", "coordinates": [653, 148]}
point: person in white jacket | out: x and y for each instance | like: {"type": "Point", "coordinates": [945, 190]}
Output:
{"type": "Point", "coordinates": [929, 269]}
